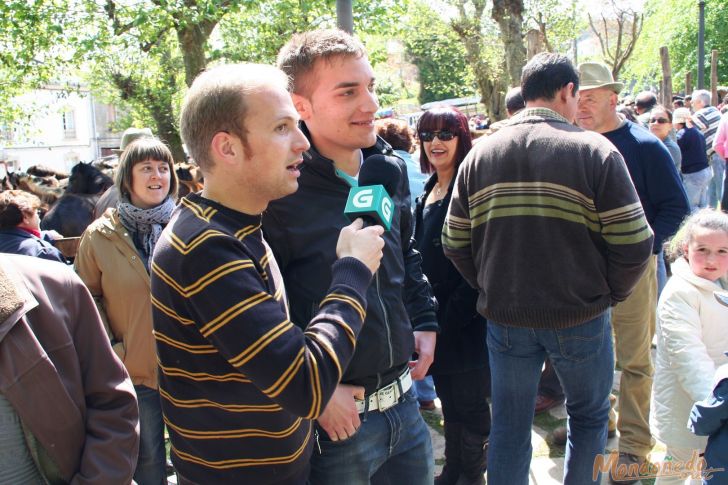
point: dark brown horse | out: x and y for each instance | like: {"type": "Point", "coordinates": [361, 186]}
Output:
{"type": "Point", "coordinates": [74, 211]}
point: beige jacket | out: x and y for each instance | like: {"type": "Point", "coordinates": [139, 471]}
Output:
{"type": "Point", "coordinates": [114, 273]}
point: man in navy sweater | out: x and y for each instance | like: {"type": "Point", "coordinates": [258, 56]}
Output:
{"type": "Point", "coordinates": [665, 204]}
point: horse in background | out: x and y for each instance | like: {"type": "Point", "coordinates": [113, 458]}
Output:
{"type": "Point", "coordinates": [74, 210]}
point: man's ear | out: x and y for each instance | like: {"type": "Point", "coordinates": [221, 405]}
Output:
{"type": "Point", "coordinates": [226, 147]}
{"type": "Point", "coordinates": [302, 105]}
{"type": "Point", "coordinates": [566, 92]}
{"type": "Point", "coordinates": [27, 219]}
{"type": "Point", "coordinates": [613, 100]}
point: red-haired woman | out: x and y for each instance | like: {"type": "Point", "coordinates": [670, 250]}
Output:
{"type": "Point", "coordinates": [460, 369]}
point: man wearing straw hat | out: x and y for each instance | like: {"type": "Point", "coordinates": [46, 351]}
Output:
{"type": "Point", "coordinates": [665, 204]}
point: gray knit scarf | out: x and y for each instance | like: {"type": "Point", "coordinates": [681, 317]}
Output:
{"type": "Point", "coordinates": [147, 224]}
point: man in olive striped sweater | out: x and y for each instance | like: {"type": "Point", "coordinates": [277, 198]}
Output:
{"type": "Point", "coordinates": [239, 382]}
{"type": "Point", "coordinates": [546, 224]}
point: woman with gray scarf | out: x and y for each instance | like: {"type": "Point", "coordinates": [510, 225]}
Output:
{"type": "Point", "coordinates": [114, 260]}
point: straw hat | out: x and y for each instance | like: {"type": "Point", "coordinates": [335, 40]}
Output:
{"type": "Point", "coordinates": [594, 75]}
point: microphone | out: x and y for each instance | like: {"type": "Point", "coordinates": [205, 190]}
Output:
{"type": "Point", "coordinates": [372, 199]}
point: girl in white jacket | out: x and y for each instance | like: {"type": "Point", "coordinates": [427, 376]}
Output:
{"type": "Point", "coordinates": [692, 334]}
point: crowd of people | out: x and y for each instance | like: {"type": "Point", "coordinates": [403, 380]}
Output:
{"type": "Point", "coordinates": [281, 340]}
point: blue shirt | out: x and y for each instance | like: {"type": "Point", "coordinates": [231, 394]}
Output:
{"type": "Point", "coordinates": [654, 176]}
{"type": "Point", "coordinates": [417, 179]}
{"type": "Point", "coordinates": [692, 147]}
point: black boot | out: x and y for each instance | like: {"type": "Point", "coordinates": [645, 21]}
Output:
{"type": "Point", "coordinates": [473, 458]}
{"type": "Point", "coordinates": [451, 470]}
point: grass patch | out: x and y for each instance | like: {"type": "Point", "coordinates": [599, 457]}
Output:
{"type": "Point", "coordinates": [548, 423]}
{"type": "Point", "coordinates": [434, 421]}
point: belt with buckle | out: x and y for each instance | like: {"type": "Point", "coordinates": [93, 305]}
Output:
{"type": "Point", "coordinates": [386, 397]}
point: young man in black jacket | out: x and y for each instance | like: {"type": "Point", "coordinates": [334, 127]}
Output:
{"type": "Point", "coordinates": [371, 428]}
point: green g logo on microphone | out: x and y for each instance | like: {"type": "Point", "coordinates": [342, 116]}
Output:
{"type": "Point", "coordinates": [370, 201]}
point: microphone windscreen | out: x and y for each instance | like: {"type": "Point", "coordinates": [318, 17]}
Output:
{"type": "Point", "coordinates": [380, 170]}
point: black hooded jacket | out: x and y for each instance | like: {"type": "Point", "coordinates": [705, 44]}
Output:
{"type": "Point", "coordinates": [303, 228]}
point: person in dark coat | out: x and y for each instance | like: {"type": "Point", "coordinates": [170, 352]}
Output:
{"type": "Point", "coordinates": [20, 227]}
{"type": "Point", "coordinates": [460, 369]}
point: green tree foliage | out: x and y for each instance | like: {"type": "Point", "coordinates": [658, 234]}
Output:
{"type": "Point", "coordinates": [435, 48]}
{"type": "Point", "coordinates": [145, 53]}
{"type": "Point", "coordinates": [256, 33]}
{"type": "Point", "coordinates": [674, 23]}
{"type": "Point", "coordinates": [141, 55]}
{"type": "Point", "coordinates": [32, 36]}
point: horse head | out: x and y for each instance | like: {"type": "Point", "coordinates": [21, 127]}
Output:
{"type": "Point", "coordinates": [87, 179]}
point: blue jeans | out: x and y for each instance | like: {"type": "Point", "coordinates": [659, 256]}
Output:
{"type": "Point", "coordinates": [696, 187]}
{"type": "Point", "coordinates": [661, 272]}
{"type": "Point", "coordinates": [424, 389]}
{"type": "Point", "coordinates": [584, 361]}
{"type": "Point", "coordinates": [390, 447]}
{"type": "Point", "coordinates": [151, 466]}
{"type": "Point", "coordinates": [715, 189]}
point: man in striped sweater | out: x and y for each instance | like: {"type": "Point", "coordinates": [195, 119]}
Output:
{"type": "Point", "coordinates": [546, 224]}
{"type": "Point", "coordinates": [707, 118]}
{"type": "Point", "coordinates": [239, 382]}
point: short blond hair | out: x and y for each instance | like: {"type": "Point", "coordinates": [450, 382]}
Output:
{"type": "Point", "coordinates": [216, 102]}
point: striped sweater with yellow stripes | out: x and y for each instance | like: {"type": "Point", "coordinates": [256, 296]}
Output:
{"type": "Point", "coordinates": [545, 222]}
{"type": "Point", "coordinates": [239, 382]}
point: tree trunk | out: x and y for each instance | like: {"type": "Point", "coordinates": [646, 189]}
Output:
{"type": "Point", "coordinates": [535, 42]}
{"type": "Point", "coordinates": [168, 133]}
{"type": "Point", "coordinates": [468, 28]}
{"type": "Point", "coordinates": [509, 16]}
{"type": "Point", "coordinates": [192, 42]}
{"type": "Point", "coordinates": [160, 110]}
{"type": "Point", "coordinates": [666, 77]}
{"type": "Point", "coordinates": [688, 83]}
{"type": "Point", "coordinates": [714, 77]}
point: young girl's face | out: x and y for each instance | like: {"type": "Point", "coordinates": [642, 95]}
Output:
{"type": "Point", "coordinates": [707, 253]}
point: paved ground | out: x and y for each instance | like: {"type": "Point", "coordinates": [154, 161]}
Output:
{"type": "Point", "coordinates": [547, 464]}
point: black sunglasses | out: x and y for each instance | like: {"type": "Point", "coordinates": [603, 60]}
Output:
{"type": "Point", "coordinates": [659, 121]}
{"type": "Point", "coordinates": [443, 135]}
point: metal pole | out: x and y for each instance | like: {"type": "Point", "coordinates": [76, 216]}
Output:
{"type": "Point", "coordinates": [701, 43]}
{"type": "Point", "coordinates": [345, 16]}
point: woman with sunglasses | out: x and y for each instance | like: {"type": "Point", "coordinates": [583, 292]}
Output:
{"type": "Point", "coordinates": [660, 124]}
{"type": "Point", "coordinates": [460, 369]}
{"type": "Point", "coordinates": [696, 172]}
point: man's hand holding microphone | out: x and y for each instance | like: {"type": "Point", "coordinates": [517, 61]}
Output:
{"type": "Point", "coordinates": [362, 243]}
